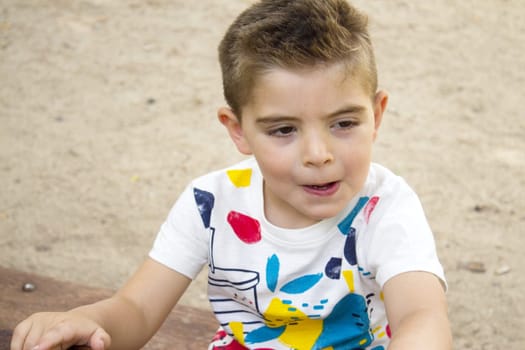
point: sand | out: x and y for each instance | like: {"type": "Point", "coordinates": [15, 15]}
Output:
{"type": "Point", "coordinates": [108, 109]}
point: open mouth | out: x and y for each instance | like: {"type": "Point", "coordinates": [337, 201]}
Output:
{"type": "Point", "coordinates": [322, 189]}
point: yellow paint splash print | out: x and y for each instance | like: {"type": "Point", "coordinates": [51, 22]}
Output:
{"type": "Point", "coordinates": [240, 177]}
{"type": "Point", "coordinates": [301, 332]}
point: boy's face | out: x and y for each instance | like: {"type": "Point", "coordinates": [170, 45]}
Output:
{"type": "Point", "coordinates": [311, 132]}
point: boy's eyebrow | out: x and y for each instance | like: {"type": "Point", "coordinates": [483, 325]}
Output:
{"type": "Point", "coordinates": [269, 119]}
{"type": "Point", "coordinates": [351, 109]}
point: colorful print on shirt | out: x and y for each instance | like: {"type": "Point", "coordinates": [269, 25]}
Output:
{"type": "Point", "coordinates": [295, 312]}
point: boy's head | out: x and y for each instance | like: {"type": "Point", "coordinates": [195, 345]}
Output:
{"type": "Point", "coordinates": [294, 34]}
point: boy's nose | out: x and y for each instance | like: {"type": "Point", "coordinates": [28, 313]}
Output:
{"type": "Point", "coordinates": [316, 150]}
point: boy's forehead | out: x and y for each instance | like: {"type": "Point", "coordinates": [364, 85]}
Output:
{"type": "Point", "coordinates": [338, 74]}
{"type": "Point", "coordinates": [324, 89]}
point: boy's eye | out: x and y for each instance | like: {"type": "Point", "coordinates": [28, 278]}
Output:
{"type": "Point", "coordinates": [345, 124]}
{"type": "Point", "coordinates": [282, 131]}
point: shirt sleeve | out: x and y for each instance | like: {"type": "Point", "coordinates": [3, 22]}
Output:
{"type": "Point", "coordinates": [182, 241]}
{"type": "Point", "coordinates": [398, 238]}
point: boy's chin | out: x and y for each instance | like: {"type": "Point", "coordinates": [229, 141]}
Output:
{"type": "Point", "coordinates": [321, 215]}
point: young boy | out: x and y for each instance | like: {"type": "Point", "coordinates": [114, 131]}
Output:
{"type": "Point", "coordinates": [309, 244]}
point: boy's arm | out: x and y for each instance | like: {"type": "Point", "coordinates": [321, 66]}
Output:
{"type": "Point", "coordinates": [126, 321]}
{"type": "Point", "coordinates": [417, 312]}
{"type": "Point", "coordinates": [138, 309]}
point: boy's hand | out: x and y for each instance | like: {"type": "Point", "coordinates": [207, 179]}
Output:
{"type": "Point", "coordinates": [144, 303]}
{"type": "Point", "coordinates": [59, 330]}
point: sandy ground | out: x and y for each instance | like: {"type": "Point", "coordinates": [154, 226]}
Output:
{"type": "Point", "coordinates": [107, 110]}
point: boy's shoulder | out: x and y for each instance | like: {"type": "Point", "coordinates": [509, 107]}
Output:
{"type": "Point", "coordinates": [381, 178]}
{"type": "Point", "coordinates": [389, 187]}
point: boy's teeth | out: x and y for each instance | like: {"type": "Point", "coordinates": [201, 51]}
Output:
{"type": "Point", "coordinates": [320, 186]}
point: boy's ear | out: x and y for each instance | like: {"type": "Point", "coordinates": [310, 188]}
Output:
{"type": "Point", "coordinates": [233, 125]}
{"type": "Point", "coordinates": [380, 103]}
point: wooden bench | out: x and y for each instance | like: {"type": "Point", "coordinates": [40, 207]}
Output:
{"type": "Point", "coordinates": [185, 328]}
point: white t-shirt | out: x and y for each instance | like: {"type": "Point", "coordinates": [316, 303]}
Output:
{"type": "Point", "coordinates": [312, 288]}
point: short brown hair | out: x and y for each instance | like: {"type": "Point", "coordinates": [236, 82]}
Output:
{"type": "Point", "coordinates": [293, 34]}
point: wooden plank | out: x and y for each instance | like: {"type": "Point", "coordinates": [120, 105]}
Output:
{"type": "Point", "coordinates": [186, 327]}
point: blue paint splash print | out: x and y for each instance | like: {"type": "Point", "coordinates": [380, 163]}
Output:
{"type": "Point", "coordinates": [344, 226]}
{"type": "Point", "coordinates": [346, 330]}
{"type": "Point", "coordinates": [272, 272]}
{"type": "Point", "coordinates": [349, 250]}
{"type": "Point", "coordinates": [263, 334]}
{"type": "Point", "coordinates": [333, 268]}
{"type": "Point", "coordinates": [301, 284]}
{"type": "Point", "coordinates": [205, 201]}
{"type": "Point", "coordinates": [296, 286]}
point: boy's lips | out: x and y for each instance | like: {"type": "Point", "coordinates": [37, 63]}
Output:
{"type": "Point", "coordinates": [326, 189]}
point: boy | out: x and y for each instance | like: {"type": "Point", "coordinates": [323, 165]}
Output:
{"type": "Point", "coordinates": [309, 244]}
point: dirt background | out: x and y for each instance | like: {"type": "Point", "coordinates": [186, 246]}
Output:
{"type": "Point", "coordinates": [107, 110]}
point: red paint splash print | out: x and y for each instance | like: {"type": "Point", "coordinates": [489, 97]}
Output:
{"type": "Point", "coordinates": [245, 227]}
{"type": "Point", "coordinates": [370, 206]}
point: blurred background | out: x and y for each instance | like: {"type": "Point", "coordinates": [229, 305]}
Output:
{"type": "Point", "coordinates": [108, 109]}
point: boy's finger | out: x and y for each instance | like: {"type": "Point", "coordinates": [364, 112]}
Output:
{"type": "Point", "coordinates": [20, 334]}
{"type": "Point", "coordinates": [26, 335]}
{"type": "Point", "coordinates": [32, 337]}
{"type": "Point", "coordinates": [100, 340]}
{"type": "Point", "coordinates": [61, 336]}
